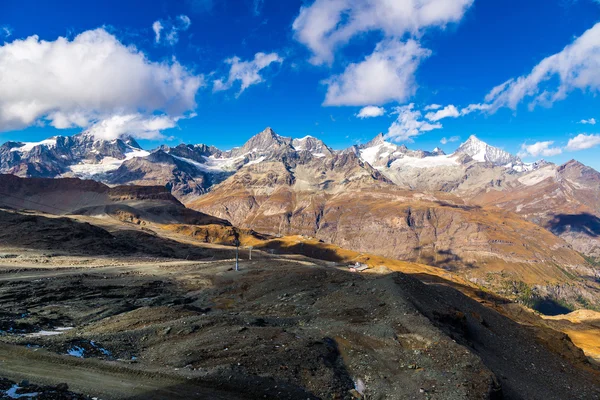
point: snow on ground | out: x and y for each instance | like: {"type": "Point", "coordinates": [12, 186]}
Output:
{"type": "Point", "coordinates": [108, 164]}
{"type": "Point", "coordinates": [425, 162]}
{"type": "Point", "coordinates": [536, 177]}
{"type": "Point", "coordinates": [213, 164]}
{"type": "Point", "coordinates": [258, 160]}
{"type": "Point", "coordinates": [28, 146]}
{"type": "Point", "coordinates": [374, 153]}
{"type": "Point", "coordinates": [56, 331]}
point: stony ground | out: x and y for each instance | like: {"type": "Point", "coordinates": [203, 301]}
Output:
{"type": "Point", "coordinates": [279, 328]}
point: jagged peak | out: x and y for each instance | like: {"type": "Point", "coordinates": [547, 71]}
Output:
{"type": "Point", "coordinates": [268, 131]}
{"type": "Point", "coordinates": [377, 140]}
{"type": "Point", "coordinates": [307, 137]}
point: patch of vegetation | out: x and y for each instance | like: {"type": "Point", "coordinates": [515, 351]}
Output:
{"type": "Point", "coordinates": [595, 261]}
{"type": "Point", "coordinates": [524, 294]}
{"type": "Point", "coordinates": [585, 303]}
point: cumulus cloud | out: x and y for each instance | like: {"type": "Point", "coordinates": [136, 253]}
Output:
{"type": "Point", "coordinates": [327, 25]}
{"type": "Point", "coordinates": [370, 112]}
{"type": "Point", "coordinates": [246, 72]}
{"type": "Point", "coordinates": [136, 125]}
{"type": "Point", "coordinates": [408, 124]}
{"type": "Point", "coordinates": [539, 149]}
{"type": "Point", "coordinates": [591, 121]}
{"type": "Point", "coordinates": [171, 29]}
{"type": "Point", "coordinates": [446, 112]}
{"type": "Point", "coordinates": [583, 142]}
{"type": "Point", "coordinates": [450, 139]}
{"type": "Point", "coordinates": [87, 80]}
{"type": "Point", "coordinates": [385, 75]}
{"type": "Point", "coordinates": [575, 67]}
{"type": "Point", "coordinates": [433, 107]}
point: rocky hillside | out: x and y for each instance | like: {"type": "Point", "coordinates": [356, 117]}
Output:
{"type": "Point", "coordinates": [430, 207]}
{"type": "Point", "coordinates": [87, 197]}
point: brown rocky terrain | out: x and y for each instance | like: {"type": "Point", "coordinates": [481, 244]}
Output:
{"type": "Point", "coordinates": [357, 208]}
{"type": "Point", "coordinates": [149, 322]}
{"type": "Point", "coordinates": [280, 328]}
{"type": "Point", "coordinates": [565, 200]}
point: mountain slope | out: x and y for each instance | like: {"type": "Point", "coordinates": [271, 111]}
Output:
{"type": "Point", "coordinates": [563, 199]}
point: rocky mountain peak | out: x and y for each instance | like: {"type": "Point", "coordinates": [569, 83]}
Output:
{"type": "Point", "coordinates": [377, 140]}
{"type": "Point", "coordinates": [313, 145]}
{"type": "Point", "coordinates": [265, 140]}
{"type": "Point", "coordinates": [480, 151]}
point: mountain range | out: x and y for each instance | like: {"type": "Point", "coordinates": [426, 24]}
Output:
{"type": "Point", "coordinates": [479, 210]}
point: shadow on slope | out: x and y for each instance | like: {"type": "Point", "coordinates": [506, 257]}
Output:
{"type": "Point", "coordinates": [83, 239]}
{"type": "Point", "coordinates": [517, 354]}
{"type": "Point", "coordinates": [585, 223]}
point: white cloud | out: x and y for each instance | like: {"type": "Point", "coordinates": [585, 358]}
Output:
{"type": "Point", "coordinates": [171, 29]}
{"type": "Point", "coordinates": [5, 31]}
{"type": "Point", "coordinates": [247, 72]}
{"type": "Point", "coordinates": [327, 25]}
{"type": "Point", "coordinates": [539, 149]}
{"type": "Point", "coordinates": [450, 139]}
{"type": "Point", "coordinates": [591, 121]}
{"type": "Point", "coordinates": [433, 107]}
{"type": "Point", "coordinates": [370, 112]}
{"type": "Point", "coordinates": [87, 80]}
{"type": "Point", "coordinates": [157, 28]}
{"type": "Point", "coordinates": [185, 22]}
{"type": "Point", "coordinates": [409, 124]}
{"type": "Point", "coordinates": [136, 125]}
{"type": "Point", "coordinates": [446, 112]}
{"type": "Point", "coordinates": [474, 107]}
{"type": "Point", "coordinates": [577, 66]}
{"type": "Point", "coordinates": [385, 75]}
{"type": "Point", "coordinates": [583, 142]}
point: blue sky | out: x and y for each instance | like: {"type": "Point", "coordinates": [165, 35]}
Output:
{"type": "Point", "coordinates": [307, 68]}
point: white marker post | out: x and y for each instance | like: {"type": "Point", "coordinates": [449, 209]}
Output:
{"type": "Point", "coordinates": [250, 248]}
{"type": "Point", "coordinates": [236, 243]}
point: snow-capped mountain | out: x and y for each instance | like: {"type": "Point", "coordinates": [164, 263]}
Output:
{"type": "Point", "coordinates": [79, 155]}
{"type": "Point", "coordinates": [192, 169]}
{"type": "Point", "coordinates": [482, 152]}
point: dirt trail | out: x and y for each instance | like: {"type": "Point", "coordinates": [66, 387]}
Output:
{"type": "Point", "coordinates": [105, 380]}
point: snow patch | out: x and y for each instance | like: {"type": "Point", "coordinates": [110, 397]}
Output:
{"type": "Point", "coordinates": [538, 176]}
{"type": "Point", "coordinates": [107, 164]}
{"type": "Point", "coordinates": [374, 153]}
{"type": "Point", "coordinates": [213, 164]}
{"type": "Point", "coordinates": [28, 146]}
{"type": "Point", "coordinates": [258, 160]}
{"type": "Point", "coordinates": [56, 331]}
{"type": "Point", "coordinates": [425, 162]}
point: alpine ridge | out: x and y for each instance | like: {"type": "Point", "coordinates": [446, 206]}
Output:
{"type": "Point", "coordinates": [478, 206]}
